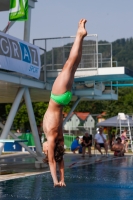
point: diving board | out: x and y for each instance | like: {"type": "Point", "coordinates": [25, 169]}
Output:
{"type": "Point", "coordinates": [12, 140]}
{"type": "Point", "coordinates": [109, 74]}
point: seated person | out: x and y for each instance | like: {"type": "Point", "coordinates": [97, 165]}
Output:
{"type": "Point", "coordinates": [87, 143]}
{"type": "Point", "coordinates": [80, 142]}
{"type": "Point", "coordinates": [125, 139]}
{"type": "Point", "coordinates": [75, 145]}
{"type": "Point", "coordinates": [118, 147]}
{"type": "Point", "coordinates": [100, 141]}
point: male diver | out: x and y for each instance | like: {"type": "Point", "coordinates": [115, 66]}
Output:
{"type": "Point", "coordinates": [60, 96]}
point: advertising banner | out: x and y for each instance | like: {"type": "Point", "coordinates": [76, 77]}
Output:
{"type": "Point", "coordinates": [18, 10]}
{"type": "Point", "coordinates": [19, 56]}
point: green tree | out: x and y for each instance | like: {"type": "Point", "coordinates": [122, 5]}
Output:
{"type": "Point", "coordinates": [39, 110]}
{"type": "Point", "coordinates": [123, 104]}
{"type": "Point", "coordinates": [21, 119]}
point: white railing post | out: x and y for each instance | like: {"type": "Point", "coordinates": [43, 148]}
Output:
{"type": "Point", "coordinates": [11, 116]}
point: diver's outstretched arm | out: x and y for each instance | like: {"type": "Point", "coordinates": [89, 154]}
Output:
{"type": "Point", "coordinates": [51, 159]}
{"type": "Point", "coordinates": [61, 170]}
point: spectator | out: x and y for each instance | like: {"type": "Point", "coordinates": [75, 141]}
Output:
{"type": "Point", "coordinates": [112, 141]}
{"type": "Point", "coordinates": [87, 143]}
{"type": "Point", "coordinates": [75, 145]}
{"type": "Point", "coordinates": [125, 139]}
{"type": "Point", "coordinates": [118, 147]}
{"type": "Point", "coordinates": [18, 132]}
{"type": "Point", "coordinates": [100, 141]}
{"type": "Point", "coordinates": [80, 142]}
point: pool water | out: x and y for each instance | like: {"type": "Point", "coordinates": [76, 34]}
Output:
{"type": "Point", "coordinates": [111, 180]}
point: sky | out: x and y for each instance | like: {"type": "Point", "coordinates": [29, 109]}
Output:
{"type": "Point", "coordinates": [110, 19]}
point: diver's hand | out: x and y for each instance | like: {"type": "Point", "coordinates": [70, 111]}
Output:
{"type": "Point", "coordinates": [62, 184]}
{"type": "Point", "coordinates": [57, 184]}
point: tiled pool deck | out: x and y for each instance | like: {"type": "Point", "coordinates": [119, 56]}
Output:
{"type": "Point", "coordinates": [23, 164]}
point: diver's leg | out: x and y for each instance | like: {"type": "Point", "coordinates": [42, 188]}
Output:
{"type": "Point", "coordinates": [106, 148]}
{"type": "Point", "coordinates": [65, 79]}
{"type": "Point", "coordinates": [89, 150]}
{"type": "Point", "coordinates": [98, 148]}
{"type": "Point", "coordinates": [83, 151]}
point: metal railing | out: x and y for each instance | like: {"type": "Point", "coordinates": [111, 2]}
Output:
{"type": "Point", "coordinates": [57, 51]}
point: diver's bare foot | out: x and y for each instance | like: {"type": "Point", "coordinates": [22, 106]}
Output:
{"type": "Point", "coordinates": [81, 28]}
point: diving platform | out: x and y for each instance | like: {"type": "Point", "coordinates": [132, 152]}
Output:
{"type": "Point", "coordinates": [96, 74]}
{"type": "Point", "coordinates": [109, 74]}
{"type": "Point", "coordinates": [40, 91]}
{"type": "Point", "coordinates": [13, 141]}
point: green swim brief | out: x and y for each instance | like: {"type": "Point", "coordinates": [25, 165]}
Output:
{"type": "Point", "coordinates": [62, 99]}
